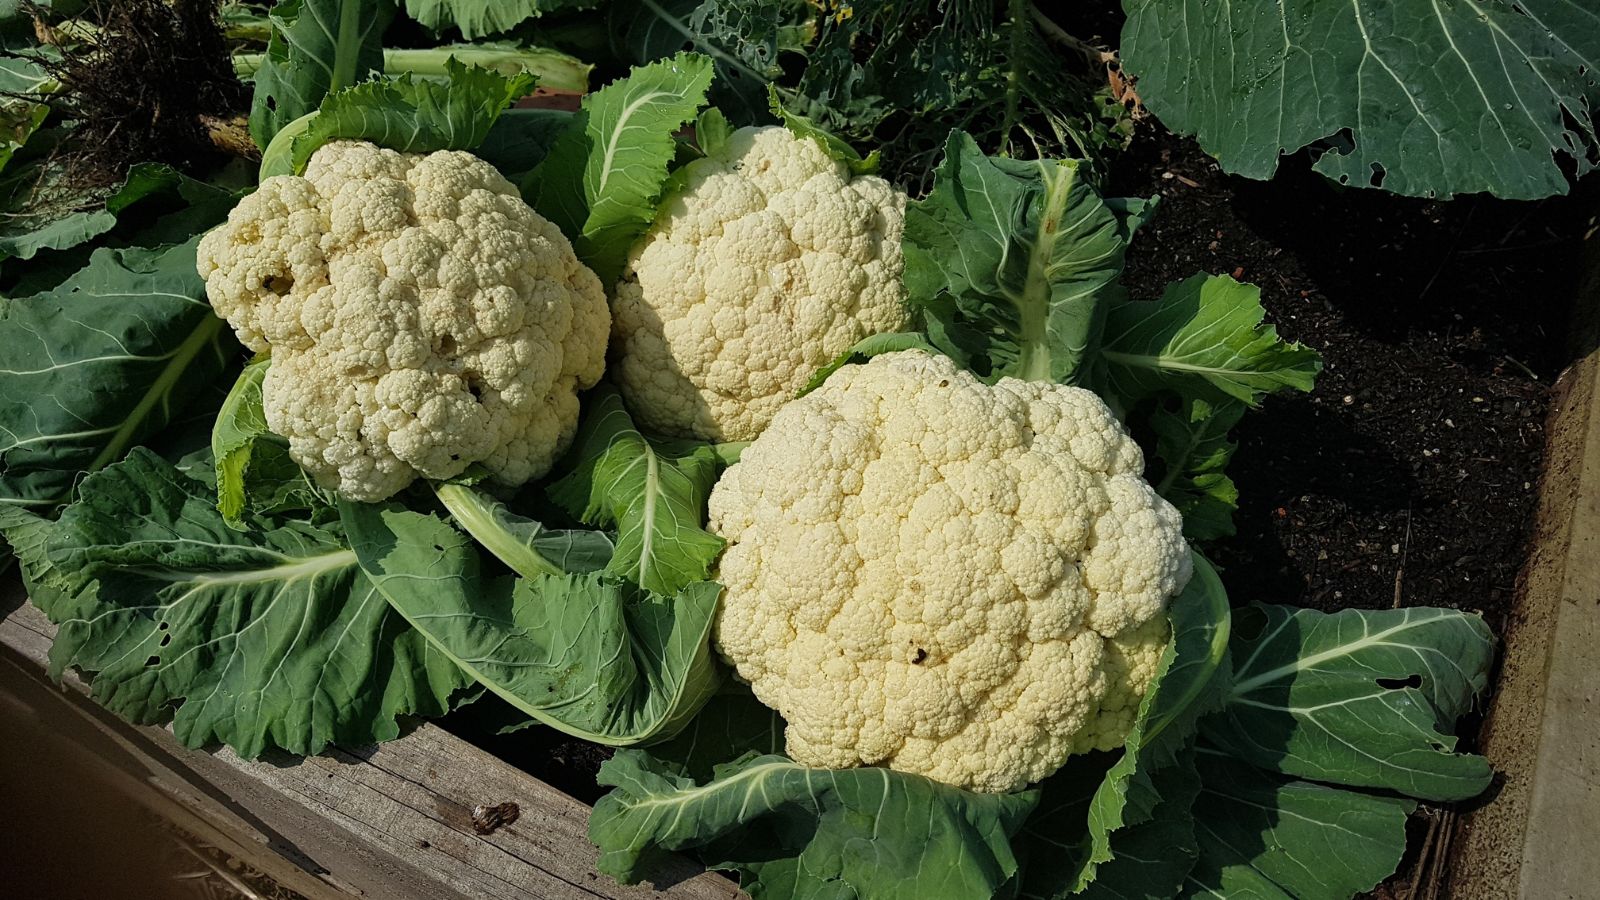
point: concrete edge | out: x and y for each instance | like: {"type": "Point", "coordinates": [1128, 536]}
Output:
{"type": "Point", "coordinates": [1536, 837]}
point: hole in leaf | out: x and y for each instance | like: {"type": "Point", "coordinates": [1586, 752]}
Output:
{"type": "Point", "coordinates": [166, 639]}
{"type": "Point", "coordinates": [1395, 684]}
{"type": "Point", "coordinates": [153, 661]}
{"type": "Point", "coordinates": [163, 627]}
{"type": "Point", "coordinates": [1378, 172]}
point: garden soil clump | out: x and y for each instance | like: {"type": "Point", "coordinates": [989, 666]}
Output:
{"type": "Point", "coordinates": [1409, 477]}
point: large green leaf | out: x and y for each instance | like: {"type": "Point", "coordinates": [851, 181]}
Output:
{"type": "Point", "coordinates": [405, 114]}
{"type": "Point", "coordinates": [254, 473]}
{"type": "Point", "coordinates": [652, 492]}
{"type": "Point", "coordinates": [1150, 859]}
{"type": "Point", "coordinates": [476, 18]}
{"type": "Point", "coordinates": [1091, 823]}
{"type": "Point", "coordinates": [1193, 447]}
{"type": "Point", "coordinates": [1358, 697]}
{"type": "Point", "coordinates": [98, 364]}
{"type": "Point", "coordinates": [1014, 263]}
{"type": "Point", "coordinates": [48, 211]}
{"type": "Point", "coordinates": [274, 638]}
{"type": "Point", "coordinates": [602, 179]}
{"type": "Point", "coordinates": [1203, 338]}
{"type": "Point", "coordinates": [1269, 838]}
{"type": "Point", "coordinates": [1438, 96]}
{"type": "Point", "coordinates": [523, 544]}
{"type": "Point", "coordinates": [795, 832]}
{"type": "Point", "coordinates": [317, 46]}
{"type": "Point", "coordinates": [589, 655]}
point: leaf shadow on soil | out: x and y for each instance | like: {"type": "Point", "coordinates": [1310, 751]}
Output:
{"type": "Point", "coordinates": [1361, 475]}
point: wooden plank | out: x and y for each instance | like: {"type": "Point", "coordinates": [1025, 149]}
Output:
{"type": "Point", "coordinates": [389, 820]}
{"type": "Point", "coordinates": [80, 737]}
{"type": "Point", "coordinates": [1535, 838]}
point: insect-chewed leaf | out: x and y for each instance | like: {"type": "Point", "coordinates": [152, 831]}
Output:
{"type": "Point", "coordinates": [271, 638]}
{"type": "Point", "coordinates": [1358, 697]}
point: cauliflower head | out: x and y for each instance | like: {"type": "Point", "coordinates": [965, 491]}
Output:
{"type": "Point", "coordinates": [420, 316]}
{"type": "Point", "coordinates": [769, 262]}
{"type": "Point", "coordinates": [945, 577]}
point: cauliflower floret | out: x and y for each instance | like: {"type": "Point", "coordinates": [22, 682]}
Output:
{"type": "Point", "coordinates": [945, 577]}
{"type": "Point", "coordinates": [420, 317]}
{"type": "Point", "coordinates": [771, 261]}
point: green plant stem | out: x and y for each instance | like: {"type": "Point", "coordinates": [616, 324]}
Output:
{"type": "Point", "coordinates": [344, 64]}
{"type": "Point", "coordinates": [1033, 309]}
{"type": "Point", "coordinates": [556, 70]}
{"type": "Point", "coordinates": [466, 506]}
{"type": "Point", "coordinates": [1016, 22]}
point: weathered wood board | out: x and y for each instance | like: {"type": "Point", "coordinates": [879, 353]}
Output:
{"type": "Point", "coordinates": [387, 821]}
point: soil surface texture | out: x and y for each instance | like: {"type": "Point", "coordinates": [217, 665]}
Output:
{"type": "Point", "coordinates": [1410, 475]}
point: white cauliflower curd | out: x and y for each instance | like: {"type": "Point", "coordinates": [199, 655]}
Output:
{"type": "Point", "coordinates": [420, 317]}
{"type": "Point", "coordinates": [945, 577]}
{"type": "Point", "coordinates": [770, 261]}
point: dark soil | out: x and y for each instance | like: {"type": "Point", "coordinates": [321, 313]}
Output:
{"type": "Point", "coordinates": [1409, 476]}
